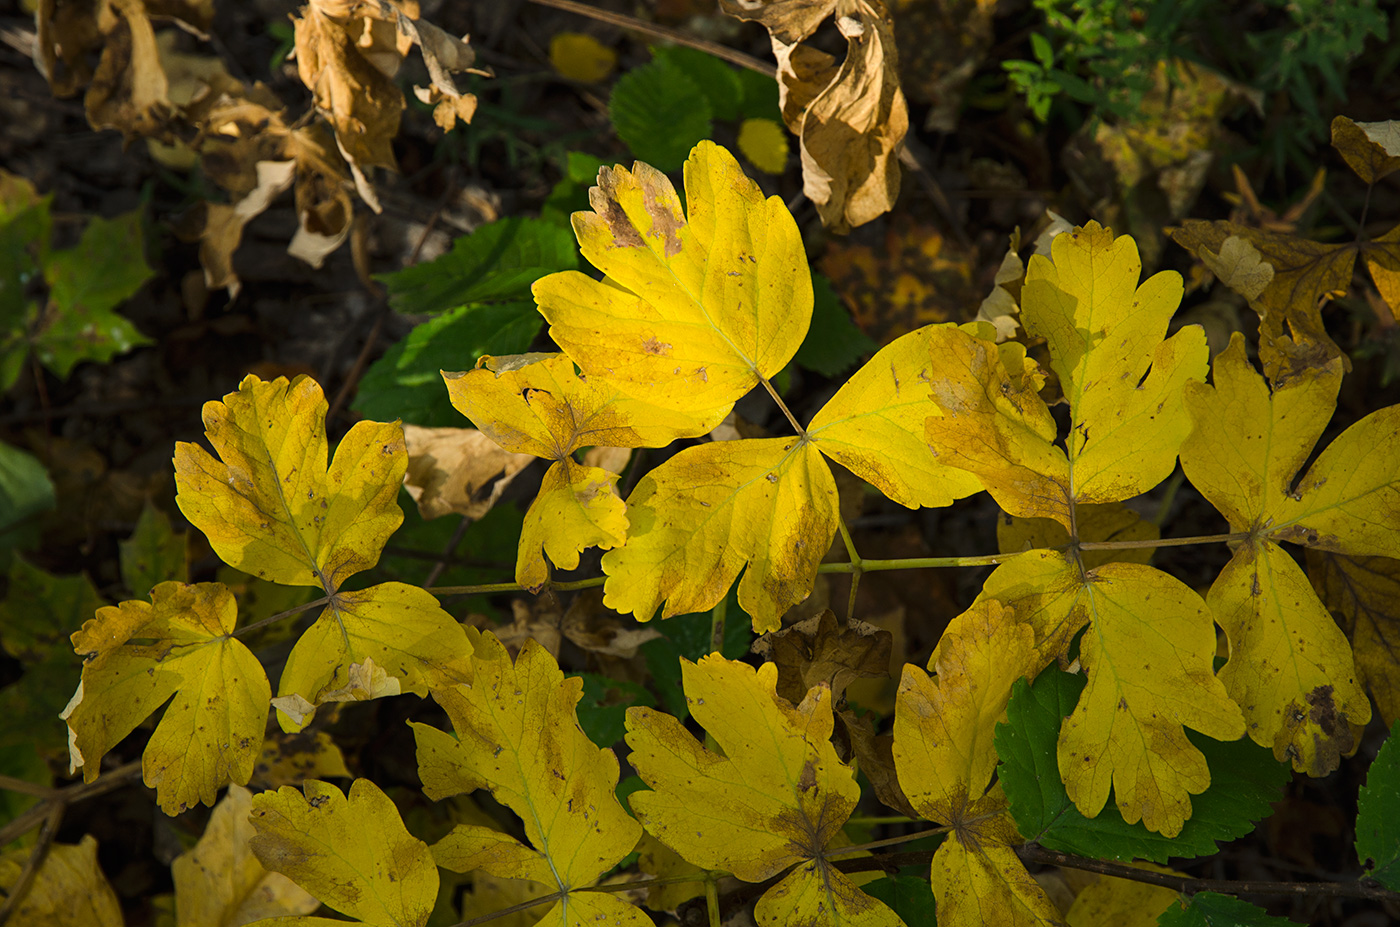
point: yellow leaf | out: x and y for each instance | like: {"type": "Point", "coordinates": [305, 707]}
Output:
{"type": "Point", "coordinates": [536, 404]}
{"type": "Point", "coordinates": [701, 516]}
{"type": "Point", "coordinates": [1372, 149]}
{"type": "Point", "coordinates": [353, 854]}
{"type": "Point", "coordinates": [874, 426]}
{"type": "Point", "coordinates": [1123, 382]}
{"type": "Point", "coordinates": [270, 506]}
{"type": "Point", "coordinates": [518, 735]}
{"type": "Point", "coordinates": [1046, 590]}
{"type": "Point", "coordinates": [1291, 669]}
{"type": "Point", "coordinates": [694, 309]}
{"type": "Point", "coordinates": [943, 730]}
{"type": "Point", "coordinates": [775, 797]}
{"type": "Point", "coordinates": [577, 507]}
{"type": "Point", "coordinates": [765, 143]}
{"type": "Point", "coordinates": [978, 879]}
{"type": "Point", "coordinates": [581, 57]}
{"type": "Point", "coordinates": [490, 895]}
{"type": "Point", "coordinates": [995, 425]}
{"type": "Point", "coordinates": [1110, 902]}
{"type": "Point", "coordinates": [399, 627]}
{"type": "Point", "coordinates": [219, 883]}
{"type": "Point", "coordinates": [143, 653]}
{"type": "Point", "coordinates": [290, 759]}
{"type": "Point", "coordinates": [1148, 654]}
{"type": "Point", "coordinates": [69, 889]}
{"type": "Point", "coordinates": [1248, 444]}
{"type": "Point", "coordinates": [1364, 595]}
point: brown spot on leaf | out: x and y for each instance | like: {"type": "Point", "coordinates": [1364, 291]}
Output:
{"type": "Point", "coordinates": [655, 346]}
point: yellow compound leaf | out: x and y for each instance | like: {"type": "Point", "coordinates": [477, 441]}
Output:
{"type": "Point", "coordinates": [943, 730]}
{"type": "Point", "coordinates": [874, 426]}
{"type": "Point", "coordinates": [518, 735]}
{"type": "Point", "coordinates": [219, 883]}
{"type": "Point", "coordinates": [1291, 669]}
{"type": "Point", "coordinates": [978, 879]}
{"type": "Point", "coordinates": [1148, 654]}
{"type": "Point", "coordinates": [353, 854]}
{"type": "Point", "coordinates": [536, 404]}
{"type": "Point", "coordinates": [270, 506]}
{"type": "Point", "coordinates": [139, 654]}
{"type": "Point", "coordinates": [1364, 595]}
{"type": "Point", "coordinates": [995, 425]}
{"type": "Point", "coordinates": [695, 307]}
{"type": "Point", "coordinates": [1123, 382]}
{"type": "Point", "coordinates": [399, 627]}
{"type": "Point", "coordinates": [577, 507]}
{"type": "Point", "coordinates": [775, 797]}
{"type": "Point", "coordinates": [1248, 444]}
{"type": "Point", "coordinates": [69, 889]}
{"type": "Point", "coordinates": [701, 516]}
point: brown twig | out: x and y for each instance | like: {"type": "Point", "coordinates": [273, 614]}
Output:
{"type": "Point", "coordinates": [52, 818]}
{"type": "Point", "coordinates": [622, 20]}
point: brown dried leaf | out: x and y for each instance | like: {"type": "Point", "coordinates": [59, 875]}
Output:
{"type": "Point", "coordinates": [850, 119]}
{"type": "Point", "coordinates": [457, 470]}
{"type": "Point", "coordinates": [1372, 149]}
{"type": "Point", "coordinates": [874, 754]}
{"type": "Point", "coordinates": [825, 649]}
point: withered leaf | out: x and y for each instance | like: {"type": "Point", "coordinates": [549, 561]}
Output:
{"type": "Point", "coordinates": [826, 649]}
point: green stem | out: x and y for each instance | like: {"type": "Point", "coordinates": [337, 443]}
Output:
{"type": "Point", "coordinates": [792, 419]}
{"type": "Point", "coordinates": [856, 566]}
{"type": "Point", "coordinates": [487, 588]}
{"type": "Point", "coordinates": [1169, 496]}
{"type": "Point", "coordinates": [248, 629]}
{"type": "Point", "coordinates": [712, 899]}
{"type": "Point", "coordinates": [872, 820]}
{"type": "Point", "coordinates": [1163, 542]}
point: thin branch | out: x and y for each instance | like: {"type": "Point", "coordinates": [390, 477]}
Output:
{"type": "Point", "coordinates": [1163, 542]}
{"type": "Point", "coordinates": [68, 795]}
{"type": "Point", "coordinates": [280, 615]}
{"type": "Point", "coordinates": [624, 21]}
{"type": "Point", "coordinates": [21, 886]}
{"type": "Point", "coordinates": [1189, 886]}
{"type": "Point", "coordinates": [792, 419]}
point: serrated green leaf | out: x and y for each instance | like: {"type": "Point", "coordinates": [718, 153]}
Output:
{"type": "Point", "coordinates": [498, 261]}
{"type": "Point", "coordinates": [38, 614]}
{"type": "Point", "coordinates": [154, 553]}
{"type": "Point", "coordinates": [1378, 814]}
{"type": "Point", "coordinates": [25, 493]}
{"type": "Point", "coordinates": [910, 897]}
{"type": "Point", "coordinates": [406, 383]}
{"type": "Point", "coordinates": [833, 343]}
{"type": "Point", "coordinates": [86, 283]}
{"type": "Point", "coordinates": [660, 113]}
{"type": "Point", "coordinates": [1245, 780]}
{"type": "Point", "coordinates": [602, 711]}
{"type": "Point", "coordinates": [717, 81]}
{"type": "Point", "coordinates": [1209, 909]}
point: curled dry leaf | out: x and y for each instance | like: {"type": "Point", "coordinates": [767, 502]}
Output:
{"type": "Point", "coordinates": [457, 470]}
{"type": "Point", "coordinates": [849, 117]}
{"type": "Point", "coordinates": [826, 649]}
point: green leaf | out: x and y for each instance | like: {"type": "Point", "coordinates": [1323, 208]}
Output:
{"type": "Point", "coordinates": [499, 261]}
{"type": "Point", "coordinates": [1378, 814]}
{"type": "Point", "coordinates": [38, 614]}
{"type": "Point", "coordinates": [717, 81]}
{"type": "Point", "coordinates": [688, 636]}
{"type": "Point", "coordinates": [911, 897]}
{"type": "Point", "coordinates": [153, 554]}
{"type": "Point", "coordinates": [833, 343]}
{"type": "Point", "coordinates": [660, 113]}
{"type": "Point", "coordinates": [570, 194]}
{"type": "Point", "coordinates": [25, 493]}
{"type": "Point", "coordinates": [1245, 780]}
{"type": "Point", "coordinates": [24, 242]}
{"type": "Point", "coordinates": [603, 708]}
{"type": "Point", "coordinates": [406, 383]}
{"type": "Point", "coordinates": [87, 282]}
{"type": "Point", "coordinates": [760, 96]}
{"type": "Point", "coordinates": [1208, 909]}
